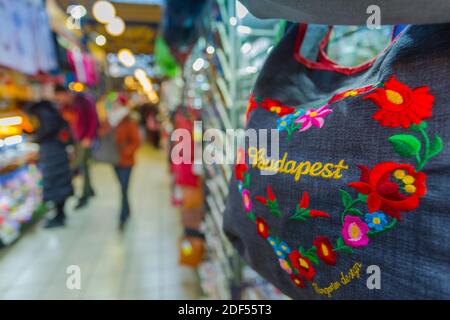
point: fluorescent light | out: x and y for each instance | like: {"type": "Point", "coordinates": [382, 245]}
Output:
{"type": "Point", "coordinates": [251, 69]}
{"type": "Point", "coordinates": [13, 140]}
{"type": "Point", "coordinates": [11, 121]}
{"type": "Point", "coordinates": [233, 21]}
{"type": "Point", "coordinates": [246, 48]}
{"type": "Point", "coordinates": [241, 11]}
{"type": "Point", "coordinates": [103, 11]}
{"type": "Point", "coordinates": [140, 74]}
{"type": "Point", "coordinates": [198, 64]}
{"type": "Point", "coordinates": [244, 29]}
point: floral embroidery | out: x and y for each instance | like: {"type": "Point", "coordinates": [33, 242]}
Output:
{"type": "Point", "coordinates": [401, 106]}
{"type": "Point", "coordinates": [302, 264]}
{"type": "Point", "coordinates": [275, 106]}
{"type": "Point", "coordinates": [246, 200]}
{"type": "Point", "coordinates": [355, 231]}
{"type": "Point", "coordinates": [285, 265]}
{"type": "Point", "coordinates": [313, 117]}
{"type": "Point", "coordinates": [302, 211]}
{"type": "Point", "coordinates": [325, 250]}
{"type": "Point", "coordinates": [376, 220]}
{"type": "Point", "coordinates": [297, 281]}
{"type": "Point", "coordinates": [352, 93]}
{"type": "Point", "coordinates": [262, 227]}
{"type": "Point", "coordinates": [388, 194]}
{"type": "Point", "coordinates": [384, 191]}
{"type": "Point", "coordinates": [271, 202]}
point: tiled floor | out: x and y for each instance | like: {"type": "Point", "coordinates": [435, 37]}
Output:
{"type": "Point", "coordinates": [140, 263]}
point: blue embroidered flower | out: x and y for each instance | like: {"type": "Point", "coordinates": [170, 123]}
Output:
{"type": "Point", "coordinates": [272, 242]}
{"type": "Point", "coordinates": [280, 254]}
{"type": "Point", "coordinates": [284, 122]}
{"type": "Point", "coordinates": [240, 186]}
{"type": "Point", "coordinates": [284, 247]}
{"type": "Point", "coordinates": [376, 220]}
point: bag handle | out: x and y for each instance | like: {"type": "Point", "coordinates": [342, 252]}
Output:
{"type": "Point", "coordinates": [324, 62]}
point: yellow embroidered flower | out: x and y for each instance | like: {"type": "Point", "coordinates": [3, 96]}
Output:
{"type": "Point", "coordinates": [399, 174]}
{"type": "Point", "coordinates": [410, 188]}
{"type": "Point", "coordinates": [408, 179]}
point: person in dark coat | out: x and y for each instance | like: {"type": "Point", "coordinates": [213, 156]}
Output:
{"type": "Point", "coordinates": [53, 158]}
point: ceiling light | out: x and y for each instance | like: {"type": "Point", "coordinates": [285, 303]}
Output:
{"type": "Point", "coordinates": [116, 26]}
{"type": "Point", "coordinates": [11, 121]}
{"type": "Point", "coordinates": [246, 48]}
{"type": "Point", "coordinates": [100, 40]}
{"type": "Point", "coordinates": [77, 11]}
{"type": "Point", "coordinates": [126, 57]}
{"type": "Point", "coordinates": [210, 50]}
{"type": "Point", "coordinates": [244, 29]}
{"type": "Point", "coordinates": [13, 140]}
{"type": "Point", "coordinates": [103, 11]}
{"type": "Point", "coordinates": [198, 64]}
{"type": "Point", "coordinates": [233, 21]}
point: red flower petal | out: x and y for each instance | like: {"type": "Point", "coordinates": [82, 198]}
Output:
{"type": "Point", "coordinates": [304, 201]}
{"type": "Point", "coordinates": [298, 281]}
{"type": "Point", "coordinates": [373, 202]}
{"type": "Point", "coordinates": [324, 250]}
{"type": "Point", "coordinates": [318, 213]}
{"type": "Point", "coordinates": [361, 187]}
{"type": "Point", "coordinates": [270, 193]}
{"type": "Point", "coordinates": [261, 199]}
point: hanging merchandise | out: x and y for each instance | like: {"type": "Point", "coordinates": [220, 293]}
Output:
{"type": "Point", "coordinates": [25, 38]}
{"type": "Point", "coordinates": [336, 204]}
{"type": "Point", "coordinates": [164, 59]}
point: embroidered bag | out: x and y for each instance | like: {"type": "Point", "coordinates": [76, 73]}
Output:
{"type": "Point", "coordinates": [358, 205]}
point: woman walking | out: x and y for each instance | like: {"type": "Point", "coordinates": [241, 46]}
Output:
{"type": "Point", "coordinates": [52, 136]}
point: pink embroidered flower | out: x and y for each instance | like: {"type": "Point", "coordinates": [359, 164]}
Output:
{"type": "Point", "coordinates": [313, 117]}
{"type": "Point", "coordinates": [355, 231]}
{"type": "Point", "coordinates": [247, 201]}
{"type": "Point", "coordinates": [285, 266]}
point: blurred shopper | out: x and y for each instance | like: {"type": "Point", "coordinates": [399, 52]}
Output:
{"type": "Point", "coordinates": [127, 138]}
{"type": "Point", "coordinates": [153, 126]}
{"type": "Point", "coordinates": [80, 111]}
{"type": "Point", "coordinates": [52, 136]}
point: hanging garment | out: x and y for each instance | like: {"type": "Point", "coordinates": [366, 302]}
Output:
{"type": "Point", "coordinates": [357, 203]}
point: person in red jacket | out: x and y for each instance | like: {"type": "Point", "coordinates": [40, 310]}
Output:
{"type": "Point", "coordinates": [80, 111]}
{"type": "Point", "coordinates": [127, 136]}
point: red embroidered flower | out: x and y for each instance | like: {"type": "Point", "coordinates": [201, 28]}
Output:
{"type": "Point", "coordinates": [391, 187]}
{"type": "Point", "coordinates": [324, 250]}
{"type": "Point", "coordinates": [252, 105]}
{"type": "Point", "coordinates": [262, 227]}
{"type": "Point", "coordinates": [302, 264]}
{"type": "Point", "coordinates": [270, 196]}
{"type": "Point", "coordinates": [304, 204]}
{"type": "Point", "coordinates": [276, 107]}
{"type": "Point", "coordinates": [350, 93]}
{"type": "Point", "coordinates": [239, 170]}
{"type": "Point", "coordinates": [297, 281]}
{"type": "Point", "coordinates": [401, 106]}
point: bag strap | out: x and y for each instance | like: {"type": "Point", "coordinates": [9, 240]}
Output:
{"type": "Point", "coordinates": [324, 62]}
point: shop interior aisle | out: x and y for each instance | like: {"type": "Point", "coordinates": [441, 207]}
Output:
{"type": "Point", "coordinates": [141, 263]}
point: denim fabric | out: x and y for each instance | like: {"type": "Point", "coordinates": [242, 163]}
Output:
{"type": "Point", "coordinates": [414, 257]}
{"type": "Point", "coordinates": [123, 174]}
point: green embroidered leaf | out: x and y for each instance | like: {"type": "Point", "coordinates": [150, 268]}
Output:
{"type": "Point", "coordinates": [347, 249]}
{"type": "Point", "coordinates": [362, 197]}
{"type": "Point", "coordinates": [300, 214]}
{"type": "Point", "coordinates": [417, 127]}
{"type": "Point", "coordinates": [251, 216]}
{"type": "Point", "coordinates": [301, 250]}
{"type": "Point", "coordinates": [405, 145]}
{"type": "Point", "coordinates": [346, 197]}
{"type": "Point", "coordinates": [355, 212]}
{"type": "Point", "coordinates": [313, 257]}
{"type": "Point", "coordinates": [339, 242]}
{"type": "Point", "coordinates": [246, 180]}
{"type": "Point", "coordinates": [436, 146]}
